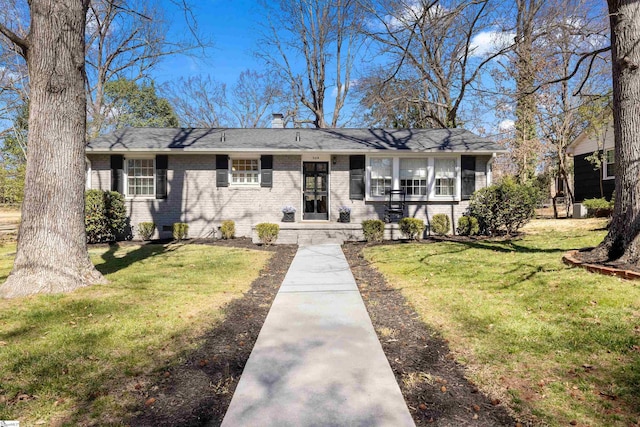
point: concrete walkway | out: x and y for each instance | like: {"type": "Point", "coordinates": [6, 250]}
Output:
{"type": "Point", "coordinates": [317, 360]}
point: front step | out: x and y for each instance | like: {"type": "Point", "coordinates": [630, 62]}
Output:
{"type": "Point", "coordinates": [316, 233]}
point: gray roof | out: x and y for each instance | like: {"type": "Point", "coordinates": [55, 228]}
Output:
{"type": "Point", "coordinates": [292, 140]}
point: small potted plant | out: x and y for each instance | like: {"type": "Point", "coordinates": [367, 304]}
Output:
{"type": "Point", "coordinates": [345, 214]}
{"type": "Point", "coordinates": [289, 214]}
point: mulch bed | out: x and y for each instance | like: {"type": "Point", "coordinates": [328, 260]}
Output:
{"type": "Point", "coordinates": [432, 383]}
{"type": "Point", "coordinates": [198, 391]}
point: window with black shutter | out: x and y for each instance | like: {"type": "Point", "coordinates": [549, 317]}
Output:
{"type": "Point", "coordinates": [266, 171]}
{"type": "Point", "coordinates": [117, 173]}
{"type": "Point", "coordinates": [162, 164]}
{"type": "Point", "coordinates": [356, 177]}
{"type": "Point", "coordinates": [222, 170]}
{"type": "Point", "coordinates": [468, 166]}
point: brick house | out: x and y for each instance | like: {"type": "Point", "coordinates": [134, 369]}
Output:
{"type": "Point", "coordinates": [205, 176]}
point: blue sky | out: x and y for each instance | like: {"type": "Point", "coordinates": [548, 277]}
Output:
{"type": "Point", "coordinates": [231, 25]}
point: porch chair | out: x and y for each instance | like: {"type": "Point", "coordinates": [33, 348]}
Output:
{"type": "Point", "coordinates": [395, 205]}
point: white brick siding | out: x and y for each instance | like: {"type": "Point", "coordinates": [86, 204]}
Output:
{"type": "Point", "coordinates": [193, 197]}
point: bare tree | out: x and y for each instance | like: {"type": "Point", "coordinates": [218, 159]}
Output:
{"type": "Point", "coordinates": [52, 251]}
{"type": "Point", "coordinates": [252, 96]}
{"type": "Point", "coordinates": [127, 39]}
{"type": "Point", "coordinates": [201, 101]}
{"type": "Point", "coordinates": [574, 28]}
{"type": "Point", "coordinates": [326, 35]}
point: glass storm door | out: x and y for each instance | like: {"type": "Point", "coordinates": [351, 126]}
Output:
{"type": "Point", "coordinates": [316, 194]}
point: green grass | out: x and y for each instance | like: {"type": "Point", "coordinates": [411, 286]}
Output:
{"type": "Point", "coordinates": [555, 343]}
{"type": "Point", "coordinates": [78, 357]}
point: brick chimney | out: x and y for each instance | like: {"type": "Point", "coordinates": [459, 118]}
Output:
{"type": "Point", "coordinates": [277, 121]}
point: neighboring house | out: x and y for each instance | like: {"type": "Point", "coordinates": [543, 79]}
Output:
{"type": "Point", "coordinates": [589, 181]}
{"type": "Point", "coordinates": [205, 176]}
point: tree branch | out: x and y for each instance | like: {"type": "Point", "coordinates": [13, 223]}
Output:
{"type": "Point", "coordinates": [22, 46]}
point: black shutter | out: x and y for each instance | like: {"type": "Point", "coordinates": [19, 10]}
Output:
{"type": "Point", "coordinates": [162, 164]}
{"type": "Point", "coordinates": [117, 173]}
{"type": "Point", "coordinates": [266, 170]}
{"type": "Point", "coordinates": [222, 170]}
{"type": "Point", "coordinates": [356, 177]}
{"type": "Point", "coordinates": [468, 164]}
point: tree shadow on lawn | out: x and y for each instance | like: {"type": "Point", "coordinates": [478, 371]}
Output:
{"type": "Point", "coordinates": [432, 383]}
{"type": "Point", "coordinates": [198, 391]}
{"type": "Point", "coordinates": [113, 264]}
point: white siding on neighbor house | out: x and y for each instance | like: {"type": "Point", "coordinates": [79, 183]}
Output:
{"type": "Point", "coordinates": [589, 143]}
{"type": "Point", "coordinates": [193, 197]}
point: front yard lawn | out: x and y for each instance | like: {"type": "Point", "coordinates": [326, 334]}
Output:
{"type": "Point", "coordinates": [558, 345]}
{"type": "Point", "coordinates": [83, 357]}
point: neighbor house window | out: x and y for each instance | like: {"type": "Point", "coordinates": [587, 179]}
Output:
{"type": "Point", "coordinates": [140, 177]}
{"type": "Point", "coordinates": [413, 176]}
{"type": "Point", "coordinates": [610, 164]}
{"type": "Point", "coordinates": [445, 177]}
{"type": "Point", "coordinates": [381, 171]}
{"type": "Point", "coordinates": [245, 172]}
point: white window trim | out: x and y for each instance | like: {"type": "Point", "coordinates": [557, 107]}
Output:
{"type": "Point", "coordinates": [87, 182]}
{"type": "Point", "coordinates": [246, 184]}
{"type": "Point", "coordinates": [605, 168]}
{"type": "Point", "coordinates": [431, 181]}
{"type": "Point", "coordinates": [126, 177]}
{"type": "Point", "coordinates": [457, 185]}
{"type": "Point", "coordinates": [394, 179]}
{"type": "Point", "coordinates": [417, 197]}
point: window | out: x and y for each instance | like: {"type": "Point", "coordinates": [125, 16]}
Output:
{"type": "Point", "coordinates": [413, 176]}
{"type": "Point", "coordinates": [445, 176]}
{"type": "Point", "coordinates": [245, 172]}
{"type": "Point", "coordinates": [610, 164]}
{"type": "Point", "coordinates": [140, 177]}
{"type": "Point", "coordinates": [381, 170]}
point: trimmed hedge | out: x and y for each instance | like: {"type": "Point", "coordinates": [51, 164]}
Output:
{"type": "Point", "coordinates": [440, 224]}
{"type": "Point", "coordinates": [267, 232]}
{"type": "Point", "coordinates": [599, 208]}
{"type": "Point", "coordinates": [468, 226]}
{"type": "Point", "coordinates": [228, 229]}
{"type": "Point", "coordinates": [146, 230]}
{"type": "Point", "coordinates": [412, 228]}
{"type": "Point", "coordinates": [373, 230]}
{"type": "Point", "coordinates": [180, 230]}
{"type": "Point", "coordinates": [504, 207]}
{"type": "Point", "coordinates": [105, 215]}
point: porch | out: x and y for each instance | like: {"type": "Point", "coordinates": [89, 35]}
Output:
{"type": "Point", "coordinates": [320, 232]}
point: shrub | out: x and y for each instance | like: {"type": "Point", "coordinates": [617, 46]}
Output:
{"type": "Point", "coordinates": [228, 229]}
{"type": "Point", "coordinates": [146, 230]}
{"type": "Point", "coordinates": [116, 212]}
{"type": "Point", "coordinates": [598, 208]}
{"type": "Point", "coordinates": [267, 232]}
{"type": "Point", "coordinates": [440, 224]}
{"type": "Point", "coordinates": [105, 215]}
{"type": "Point", "coordinates": [180, 230]}
{"type": "Point", "coordinates": [412, 227]}
{"type": "Point", "coordinates": [468, 226]}
{"type": "Point", "coordinates": [503, 207]}
{"type": "Point", "coordinates": [95, 218]}
{"type": "Point", "coordinates": [373, 230]}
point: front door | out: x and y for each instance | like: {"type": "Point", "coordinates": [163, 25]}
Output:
{"type": "Point", "coordinates": [316, 194]}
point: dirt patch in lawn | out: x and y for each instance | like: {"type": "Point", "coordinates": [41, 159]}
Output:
{"type": "Point", "coordinates": [432, 383]}
{"type": "Point", "coordinates": [199, 390]}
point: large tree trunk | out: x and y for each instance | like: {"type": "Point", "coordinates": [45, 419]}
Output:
{"type": "Point", "coordinates": [52, 251]}
{"type": "Point", "coordinates": [622, 243]}
{"type": "Point", "coordinates": [525, 126]}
